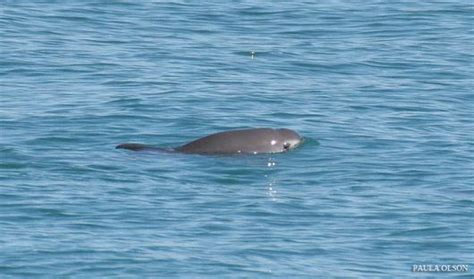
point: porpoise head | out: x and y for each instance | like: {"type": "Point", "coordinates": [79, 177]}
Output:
{"type": "Point", "coordinates": [289, 138]}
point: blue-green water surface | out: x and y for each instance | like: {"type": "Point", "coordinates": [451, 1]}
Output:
{"type": "Point", "coordinates": [381, 90]}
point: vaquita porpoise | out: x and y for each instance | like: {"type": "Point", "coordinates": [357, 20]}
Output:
{"type": "Point", "coordinates": [248, 141]}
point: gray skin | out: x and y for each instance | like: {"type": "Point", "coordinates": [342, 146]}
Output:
{"type": "Point", "coordinates": [248, 141]}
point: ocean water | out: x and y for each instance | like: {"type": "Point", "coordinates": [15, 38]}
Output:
{"type": "Point", "coordinates": [381, 90]}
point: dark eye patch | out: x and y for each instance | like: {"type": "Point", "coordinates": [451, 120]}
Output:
{"type": "Point", "coordinates": [286, 146]}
